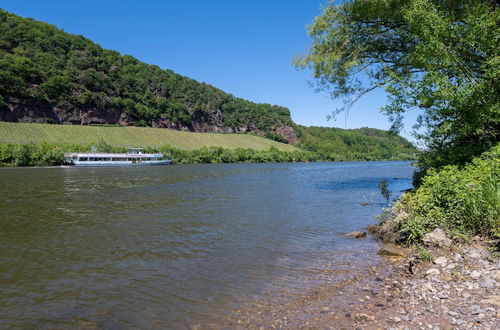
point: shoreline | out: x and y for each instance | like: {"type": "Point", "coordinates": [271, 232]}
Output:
{"type": "Point", "coordinates": [209, 163]}
{"type": "Point", "coordinates": [458, 289]}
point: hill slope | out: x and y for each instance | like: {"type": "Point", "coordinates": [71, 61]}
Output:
{"type": "Point", "coordinates": [22, 133]}
{"type": "Point", "coordinates": [48, 75]}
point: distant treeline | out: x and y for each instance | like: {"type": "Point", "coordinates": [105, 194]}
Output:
{"type": "Point", "coordinates": [45, 154]}
{"type": "Point", "coordinates": [354, 144]}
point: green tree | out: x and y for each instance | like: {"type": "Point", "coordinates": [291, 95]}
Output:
{"type": "Point", "coordinates": [442, 56]}
{"type": "Point", "coordinates": [56, 87]}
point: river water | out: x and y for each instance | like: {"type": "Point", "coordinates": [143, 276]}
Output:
{"type": "Point", "coordinates": [179, 246]}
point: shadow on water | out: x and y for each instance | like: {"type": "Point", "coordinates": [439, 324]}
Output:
{"type": "Point", "coordinates": [178, 245]}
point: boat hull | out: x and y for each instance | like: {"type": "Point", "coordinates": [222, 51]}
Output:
{"type": "Point", "coordinates": [121, 163]}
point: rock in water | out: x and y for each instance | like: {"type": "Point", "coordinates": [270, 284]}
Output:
{"type": "Point", "coordinates": [436, 238]}
{"type": "Point", "coordinates": [391, 250]}
{"type": "Point", "coordinates": [356, 234]}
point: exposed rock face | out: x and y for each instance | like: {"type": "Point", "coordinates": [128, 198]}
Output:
{"type": "Point", "coordinates": [288, 133]}
{"type": "Point", "coordinates": [27, 111]}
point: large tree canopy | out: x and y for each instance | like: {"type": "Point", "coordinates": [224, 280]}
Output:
{"type": "Point", "coordinates": [442, 56]}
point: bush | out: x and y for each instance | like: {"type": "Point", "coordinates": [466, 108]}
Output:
{"type": "Point", "coordinates": [42, 154]}
{"type": "Point", "coordinates": [462, 200]}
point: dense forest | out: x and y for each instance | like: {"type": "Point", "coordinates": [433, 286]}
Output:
{"type": "Point", "coordinates": [48, 75]}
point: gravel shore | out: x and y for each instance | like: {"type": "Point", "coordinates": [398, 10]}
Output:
{"type": "Point", "coordinates": [458, 289]}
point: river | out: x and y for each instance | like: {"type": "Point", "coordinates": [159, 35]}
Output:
{"type": "Point", "coordinates": [179, 246]}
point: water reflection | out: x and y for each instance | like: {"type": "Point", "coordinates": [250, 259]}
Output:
{"type": "Point", "coordinates": [177, 245]}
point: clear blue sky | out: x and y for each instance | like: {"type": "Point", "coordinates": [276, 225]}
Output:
{"type": "Point", "coordinates": [245, 48]}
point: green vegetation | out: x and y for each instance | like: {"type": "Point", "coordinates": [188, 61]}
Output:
{"type": "Point", "coordinates": [47, 68]}
{"type": "Point", "coordinates": [238, 155]}
{"type": "Point", "coordinates": [424, 254]}
{"type": "Point", "coordinates": [42, 154]}
{"type": "Point", "coordinates": [23, 133]}
{"type": "Point", "coordinates": [442, 57]}
{"type": "Point", "coordinates": [46, 154]}
{"type": "Point", "coordinates": [354, 144]}
{"type": "Point", "coordinates": [324, 147]}
{"type": "Point", "coordinates": [384, 190]}
{"type": "Point", "coordinates": [463, 201]}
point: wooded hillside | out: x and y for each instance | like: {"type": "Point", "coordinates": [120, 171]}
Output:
{"type": "Point", "coordinates": [48, 75]}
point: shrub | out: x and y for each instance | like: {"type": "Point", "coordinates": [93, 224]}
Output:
{"type": "Point", "coordinates": [461, 200]}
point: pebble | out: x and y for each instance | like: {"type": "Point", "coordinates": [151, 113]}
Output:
{"type": "Point", "coordinates": [474, 254]}
{"type": "Point", "coordinates": [441, 261]}
{"type": "Point", "coordinates": [433, 271]}
{"type": "Point", "coordinates": [487, 283]}
{"type": "Point", "coordinates": [496, 275]}
{"type": "Point", "coordinates": [450, 266]}
{"type": "Point", "coordinates": [475, 309]}
{"type": "Point", "coordinates": [475, 274]}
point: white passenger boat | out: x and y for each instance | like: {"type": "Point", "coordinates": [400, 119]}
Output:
{"type": "Point", "coordinates": [134, 157]}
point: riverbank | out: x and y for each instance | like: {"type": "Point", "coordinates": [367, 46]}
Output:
{"type": "Point", "coordinates": [458, 289]}
{"type": "Point", "coordinates": [448, 279]}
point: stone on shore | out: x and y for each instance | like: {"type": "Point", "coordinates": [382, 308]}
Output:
{"type": "Point", "coordinates": [391, 250]}
{"type": "Point", "coordinates": [442, 261]}
{"type": "Point", "coordinates": [432, 271]}
{"type": "Point", "coordinates": [491, 300]}
{"type": "Point", "coordinates": [356, 234]}
{"type": "Point", "coordinates": [496, 276]}
{"type": "Point", "coordinates": [436, 238]}
{"type": "Point", "coordinates": [487, 283]}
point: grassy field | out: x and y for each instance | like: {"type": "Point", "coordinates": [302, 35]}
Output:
{"type": "Point", "coordinates": [22, 133]}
